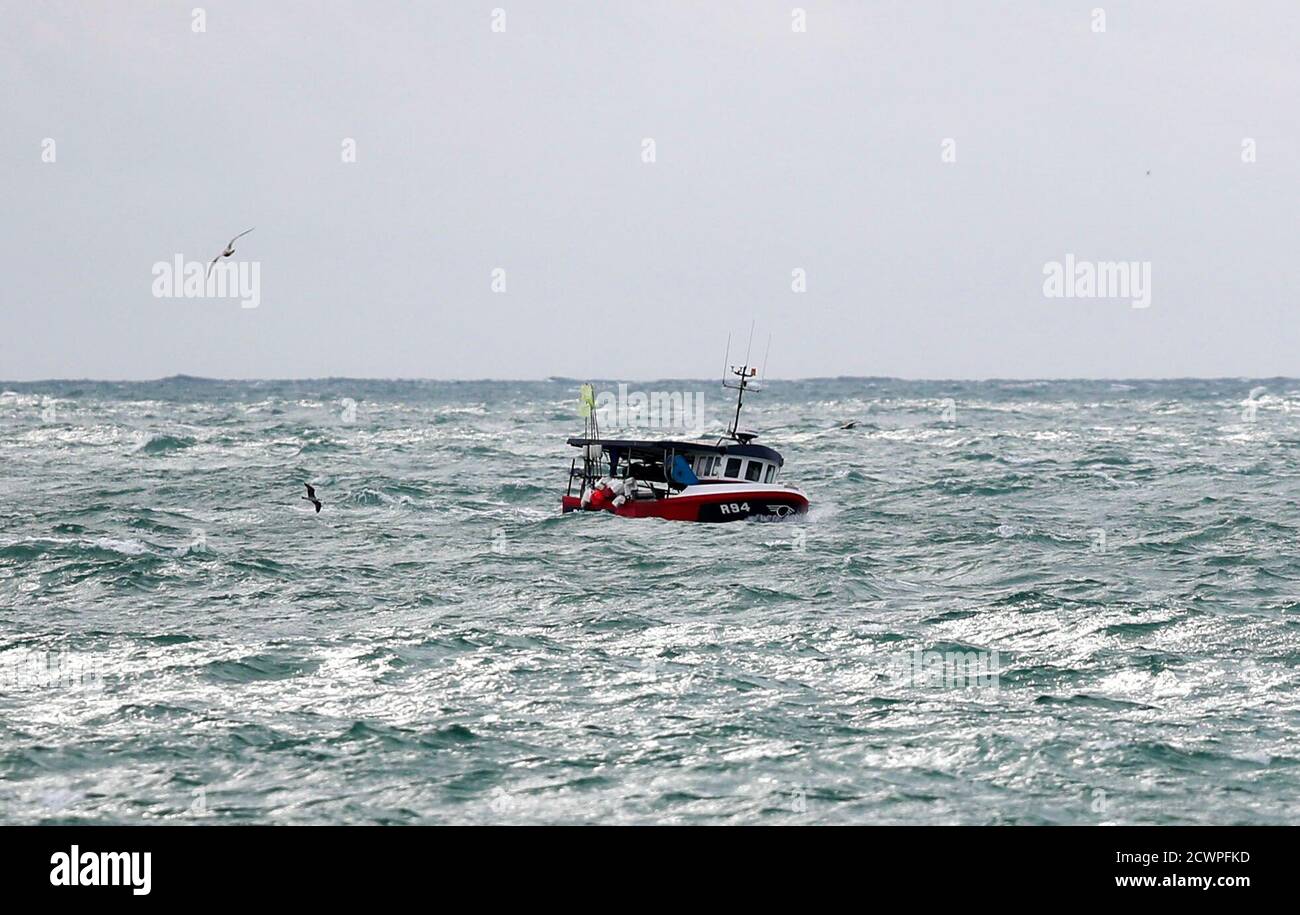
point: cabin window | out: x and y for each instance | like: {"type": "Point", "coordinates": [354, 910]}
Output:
{"type": "Point", "coordinates": [754, 472]}
{"type": "Point", "coordinates": [733, 468]}
{"type": "Point", "coordinates": [704, 465]}
{"type": "Point", "coordinates": [771, 472]}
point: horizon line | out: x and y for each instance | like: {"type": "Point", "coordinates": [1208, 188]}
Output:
{"type": "Point", "coordinates": [577, 380]}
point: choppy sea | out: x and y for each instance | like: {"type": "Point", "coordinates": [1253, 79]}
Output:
{"type": "Point", "coordinates": [1011, 603]}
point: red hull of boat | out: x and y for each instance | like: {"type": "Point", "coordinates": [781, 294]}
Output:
{"type": "Point", "coordinates": [766, 505]}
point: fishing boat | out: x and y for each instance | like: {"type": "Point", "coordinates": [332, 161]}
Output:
{"type": "Point", "coordinates": [730, 479]}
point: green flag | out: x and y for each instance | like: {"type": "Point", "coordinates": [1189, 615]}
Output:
{"type": "Point", "coordinates": [586, 400]}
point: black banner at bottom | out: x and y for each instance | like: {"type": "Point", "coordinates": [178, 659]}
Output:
{"type": "Point", "coordinates": [336, 864]}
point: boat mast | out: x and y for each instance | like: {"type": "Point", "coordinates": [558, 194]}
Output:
{"type": "Point", "coordinates": [591, 431]}
{"type": "Point", "coordinates": [743, 374]}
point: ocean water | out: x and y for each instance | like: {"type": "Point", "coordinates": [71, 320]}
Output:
{"type": "Point", "coordinates": [1011, 603]}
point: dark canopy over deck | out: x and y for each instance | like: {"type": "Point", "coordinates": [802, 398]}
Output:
{"type": "Point", "coordinates": [631, 446]}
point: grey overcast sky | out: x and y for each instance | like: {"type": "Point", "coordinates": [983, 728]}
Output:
{"type": "Point", "coordinates": [774, 150]}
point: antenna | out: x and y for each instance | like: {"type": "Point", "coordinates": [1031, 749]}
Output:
{"type": "Point", "coordinates": [744, 375]}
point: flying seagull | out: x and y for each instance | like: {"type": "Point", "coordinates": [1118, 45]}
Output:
{"type": "Point", "coordinates": [230, 249]}
{"type": "Point", "coordinates": [311, 497]}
